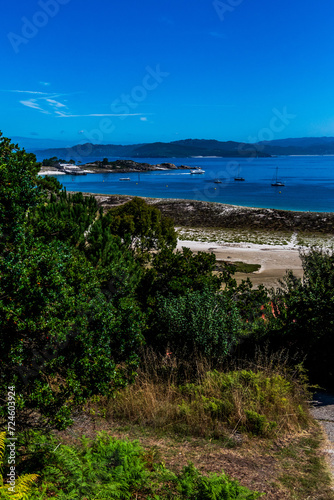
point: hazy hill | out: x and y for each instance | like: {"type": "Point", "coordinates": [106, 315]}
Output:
{"type": "Point", "coordinates": [192, 147]}
{"type": "Point", "coordinates": [181, 149]}
{"type": "Point", "coordinates": [299, 146]}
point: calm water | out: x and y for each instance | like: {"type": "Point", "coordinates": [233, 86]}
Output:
{"type": "Point", "coordinates": [309, 182]}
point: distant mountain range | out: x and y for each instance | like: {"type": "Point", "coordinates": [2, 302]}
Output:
{"type": "Point", "coordinates": [299, 146]}
{"type": "Point", "coordinates": [194, 147]}
{"type": "Point", "coordinates": [179, 149]}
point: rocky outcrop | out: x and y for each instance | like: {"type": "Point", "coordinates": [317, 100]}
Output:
{"type": "Point", "coordinates": [132, 166]}
{"type": "Point", "coordinates": [190, 213]}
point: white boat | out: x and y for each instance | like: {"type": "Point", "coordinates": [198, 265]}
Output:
{"type": "Point", "coordinates": [125, 179]}
{"type": "Point", "coordinates": [197, 171]}
{"type": "Point", "coordinates": [217, 181]}
{"type": "Point", "coordinates": [276, 182]}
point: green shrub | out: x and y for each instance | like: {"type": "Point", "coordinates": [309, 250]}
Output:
{"type": "Point", "coordinates": [110, 469]}
{"type": "Point", "coordinates": [303, 319]}
{"type": "Point", "coordinates": [61, 339]}
{"type": "Point", "coordinates": [257, 424]}
{"type": "Point", "coordinates": [194, 486]}
{"type": "Point", "coordinates": [198, 321]}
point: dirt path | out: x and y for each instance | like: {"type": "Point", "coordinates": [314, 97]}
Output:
{"type": "Point", "coordinates": [323, 412]}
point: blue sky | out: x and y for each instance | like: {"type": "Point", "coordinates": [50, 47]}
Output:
{"type": "Point", "coordinates": [127, 72]}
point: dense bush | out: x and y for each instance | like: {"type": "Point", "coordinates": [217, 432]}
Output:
{"type": "Point", "coordinates": [198, 321]}
{"type": "Point", "coordinates": [63, 216]}
{"type": "Point", "coordinates": [176, 273]}
{"type": "Point", "coordinates": [301, 316]}
{"type": "Point", "coordinates": [61, 340]}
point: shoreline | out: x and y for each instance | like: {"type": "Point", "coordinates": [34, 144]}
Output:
{"type": "Point", "coordinates": [150, 199]}
{"type": "Point", "coordinates": [215, 215]}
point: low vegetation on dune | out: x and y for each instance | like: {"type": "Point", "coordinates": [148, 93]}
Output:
{"type": "Point", "coordinates": [101, 318]}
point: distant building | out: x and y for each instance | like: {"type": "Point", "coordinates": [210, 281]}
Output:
{"type": "Point", "coordinates": [68, 166]}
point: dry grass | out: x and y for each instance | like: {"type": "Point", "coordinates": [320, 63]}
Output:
{"type": "Point", "coordinates": [261, 398]}
{"type": "Point", "coordinates": [287, 467]}
{"type": "Point", "coordinates": [285, 463]}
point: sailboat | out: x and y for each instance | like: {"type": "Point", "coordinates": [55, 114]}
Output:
{"type": "Point", "coordinates": [238, 178]}
{"type": "Point", "coordinates": [277, 182]}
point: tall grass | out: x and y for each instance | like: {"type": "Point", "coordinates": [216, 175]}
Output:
{"type": "Point", "coordinates": [263, 397]}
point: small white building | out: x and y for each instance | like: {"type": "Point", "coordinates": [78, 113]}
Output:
{"type": "Point", "coordinates": [68, 166]}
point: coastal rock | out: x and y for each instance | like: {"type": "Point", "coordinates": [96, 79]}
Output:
{"type": "Point", "coordinates": [168, 165]}
{"type": "Point", "coordinates": [131, 166]}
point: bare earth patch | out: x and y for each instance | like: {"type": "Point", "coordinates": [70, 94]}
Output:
{"type": "Point", "coordinates": [281, 468]}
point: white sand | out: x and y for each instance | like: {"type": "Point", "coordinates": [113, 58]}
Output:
{"type": "Point", "coordinates": [275, 260]}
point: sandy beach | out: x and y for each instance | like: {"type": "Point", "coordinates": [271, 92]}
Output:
{"type": "Point", "coordinates": [274, 260]}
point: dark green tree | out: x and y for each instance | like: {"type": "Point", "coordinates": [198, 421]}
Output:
{"type": "Point", "coordinates": [119, 271]}
{"type": "Point", "coordinates": [49, 162]}
{"type": "Point", "coordinates": [176, 273]}
{"type": "Point", "coordinates": [141, 227]}
{"type": "Point", "coordinates": [18, 193]}
{"type": "Point", "coordinates": [61, 339]}
{"type": "Point", "coordinates": [62, 216]}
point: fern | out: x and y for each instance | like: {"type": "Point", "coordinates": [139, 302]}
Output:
{"type": "Point", "coordinates": [110, 469]}
{"type": "Point", "coordinates": [2, 448]}
{"type": "Point", "coordinates": [23, 484]}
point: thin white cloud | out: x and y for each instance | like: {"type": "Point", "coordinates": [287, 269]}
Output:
{"type": "Point", "coordinates": [32, 103]}
{"type": "Point", "coordinates": [45, 83]}
{"type": "Point", "coordinates": [64, 115]}
{"type": "Point", "coordinates": [56, 104]}
{"type": "Point", "coordinates": [25, 92]}
{"type": "Point", "coordinates": [47, 104]}
{"type": "Point", "coordinates": [143, 119]}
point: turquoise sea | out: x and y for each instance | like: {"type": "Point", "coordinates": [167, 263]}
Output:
{"type": "Point", "coordinates": [309, 182]}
